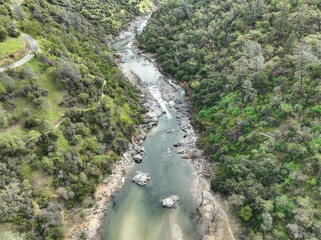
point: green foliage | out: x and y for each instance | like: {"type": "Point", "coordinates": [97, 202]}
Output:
{"type": "Point", "coordinates": [252, 69]}
{"type": "Point", "coordinates": [11, 46]}
{"type": "Point", "coordinates": [3, 34]}
{"type": "Point", "coordinates": [246, 213]}
{"type": "Point", "coordinates": [316, 109]}
{"type": "Point", "coordinates": [67, 115]}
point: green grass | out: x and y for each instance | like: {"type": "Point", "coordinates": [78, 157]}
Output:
{"type": "Point", "coordinates": [62, 142]}
{"type": "Point", "coordinates": [118, 113]}
{"type": "Point", "coordinates": [51, 113]}
{"type": "Point", "coordinates": [11, 46]}
{"type": "Point", "coordinates": [15, 130]}
{"type": "Point", "coordinates": [38, 179]}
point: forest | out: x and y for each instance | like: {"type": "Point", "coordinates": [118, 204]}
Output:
{"type": "Point", "coordinates": [66, 116]}
{"type": "Point", "coordinates": [252, 70]}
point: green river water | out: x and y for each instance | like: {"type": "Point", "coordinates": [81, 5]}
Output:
{"type": "Point", "coordinates": [136, 213]}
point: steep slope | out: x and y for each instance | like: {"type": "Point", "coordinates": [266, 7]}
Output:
{"type": "Point", "coordinates": [66, 116]}
{"type": "Point", "coordinates": [11, 45]}
{"type": "Point", "coordinates": [252, 69]}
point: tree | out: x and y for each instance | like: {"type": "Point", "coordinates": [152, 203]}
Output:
{"type": "Point", "coordinates": [246, 213]}
{"type": "Point", "coordinates": [267, 222]}
{"type": "Point", "coordinates": [2, 89]}
{"type": "Point", "coordinates": [27, 72]}
{"type": "Point", "coordinates": [3, 34]}
{"type": "Point", "coordinates": [302, 59]}
{"type": "Point", "coordinates": [67, 73]}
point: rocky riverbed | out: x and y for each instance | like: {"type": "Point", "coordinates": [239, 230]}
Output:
{"type": "Point", "coordinates": [211, 210]}
{"type": "Point", "coordinates": [217, 225]}
{"type": "Point", "coordinates": [89, 226]}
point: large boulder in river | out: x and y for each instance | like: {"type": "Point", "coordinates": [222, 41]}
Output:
{"type": "Point", "coordinates": [141, 178]}
{"type": "Point", "coordinates": [170, 201]}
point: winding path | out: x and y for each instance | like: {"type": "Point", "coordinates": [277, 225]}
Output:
{"type": "Point", "coordinates": [33, 50]}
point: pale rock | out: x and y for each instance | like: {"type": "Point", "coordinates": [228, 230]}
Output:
{"type": "Point", "coordinates": [170, 201]}
{"type": "Point", "coordinates": [141, 178]}
{"type": "Point", "coordinates": [138, 158]}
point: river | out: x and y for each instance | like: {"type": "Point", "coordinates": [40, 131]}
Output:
{"type": "Point", "coordinates": [135, 213]}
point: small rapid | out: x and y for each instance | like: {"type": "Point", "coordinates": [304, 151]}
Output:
{"type": "Point", "coordinates": [135, 213]}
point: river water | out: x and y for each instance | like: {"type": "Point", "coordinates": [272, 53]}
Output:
{"type": "Point", "coordinates": [136, 212]}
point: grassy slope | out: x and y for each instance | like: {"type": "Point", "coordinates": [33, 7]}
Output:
{"type": "Point", "coordinates": [51, 112]}
{"type": "Point", "coordinates": [11, 46]}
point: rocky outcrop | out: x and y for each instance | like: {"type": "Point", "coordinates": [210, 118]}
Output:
{"type": "Point", "coordinates": [169, 91]}
{"type": "Point", "coordinates": [141, 178]}
{"type": "Point", "coordinates": [139, 149]}
{"type": "Point", "coordinates": [148, 102]}
{"type": "Point", "coordinates": [170, 201]}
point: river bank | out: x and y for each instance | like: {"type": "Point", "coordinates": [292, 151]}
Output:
{"type": "Point", "coordinates": [211, 211]}
{"type": "Point", "coordinates": [89, 225]}
{"type": "Point", "coordinates": [216, 222]}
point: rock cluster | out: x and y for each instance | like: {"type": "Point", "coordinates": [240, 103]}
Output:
{"type": "Point", "coordinates": [141, 178]}
{"type": "Point", "coordinates": [170, 201]}
{"type": "Point", "coordinates": [170, 131]}
{"type": "Point", "coordinates": [169, 91]}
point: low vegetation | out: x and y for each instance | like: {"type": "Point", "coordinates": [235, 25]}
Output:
{"type": "Point", "coordinates": [252, 69]}
{"type": "Point", "coordinates": [7, 25]}
{"type": "Point", "coordinates": [10, 46]}
{"type": "Point", "coordinates": [66, 116]}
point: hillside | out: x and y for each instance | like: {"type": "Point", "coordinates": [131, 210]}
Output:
{"type": "Point", "coordinates": [11, 45]}
{"type": "Point", "coordinates": [66, 116]}
{"type": "Point", "coordinates": [252, 70]}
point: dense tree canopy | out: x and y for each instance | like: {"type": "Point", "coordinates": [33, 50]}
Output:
{"type": "Point", "coordinates": [252, 69]}
{"type": "Point", "coordinates": [66, 116]}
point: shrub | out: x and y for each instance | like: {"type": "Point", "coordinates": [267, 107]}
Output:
{"type": "Point", "coordinates": [3, 34]}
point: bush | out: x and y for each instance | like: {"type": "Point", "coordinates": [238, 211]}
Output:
{"type": "Point", "coordinates": [3, 34]}
{"type": "Point", "coordinates": [33, 121]}
{"type": "Point", "coordinates": [246, 213]}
